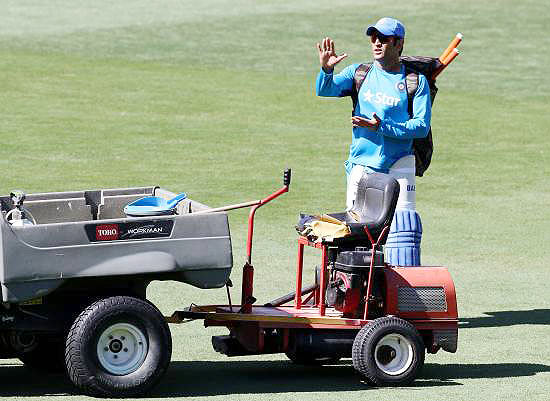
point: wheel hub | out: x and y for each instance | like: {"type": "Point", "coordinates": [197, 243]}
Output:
{"type": "Point", "coordinates": [122, 348]}
{"type": "Point", "coordinates": [393, 354]}
{"type": "Point", "coordinates": [115, 346]}
{"type": "Point", "coordinates": [386, 354]}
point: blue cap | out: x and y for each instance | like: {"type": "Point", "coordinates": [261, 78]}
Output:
{"type": "Point", "coordinates": [388, 27]}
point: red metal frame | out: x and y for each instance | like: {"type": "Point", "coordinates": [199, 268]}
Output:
{"type": "Point", "coordinates": [251, 219]}
{"type": "Point", "coordinates": [371, 269]}
{"type": "Point", "coordinates": [250, 328]}
{"type": "Point", "coordinates": [248, 269]}
{"type": "Point", "coordinates": [320, 293]}
{"type": "Point", "coordinates": [320, 298]}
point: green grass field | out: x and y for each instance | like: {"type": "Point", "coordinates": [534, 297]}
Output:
{"type": "Point", "coordinates": [216, 98]}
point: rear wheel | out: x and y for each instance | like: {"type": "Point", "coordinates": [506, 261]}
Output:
{"type": "Point", "coordinates": [118, 347]}
{"type": "Point", "coordinates": [388, 351]}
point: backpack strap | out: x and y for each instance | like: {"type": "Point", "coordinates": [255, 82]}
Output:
{"type": "Point", "coordinates": [358, 79]}
{"type": "Point", "coordinates": [411, 79]}
{"type": "Point", "coordinates": [422, 147]}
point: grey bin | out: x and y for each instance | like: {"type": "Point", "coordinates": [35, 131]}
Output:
{"type": "Point", "coordinates": [86, 234]}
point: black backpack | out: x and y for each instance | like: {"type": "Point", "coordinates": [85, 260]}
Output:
{"type": "Point", "coordinates": [414, 65]}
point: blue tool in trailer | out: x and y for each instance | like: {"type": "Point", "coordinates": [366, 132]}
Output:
{"type": "Point", "coordinates": [153, 206]}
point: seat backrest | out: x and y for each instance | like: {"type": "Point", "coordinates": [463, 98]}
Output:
{"type": "Point", "coordinates": [376, 198]}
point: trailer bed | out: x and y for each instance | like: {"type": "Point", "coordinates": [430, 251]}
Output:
{"type": "Point", "coordinates": [86, 234]}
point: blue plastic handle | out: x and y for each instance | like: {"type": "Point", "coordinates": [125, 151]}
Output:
{"type": "Point", "coordinates": [172, 203]}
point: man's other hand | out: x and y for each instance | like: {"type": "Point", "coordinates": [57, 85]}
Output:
{"type": "Point", "coordinates": [327, 56]}
{"type": "Point", "coordinates": [370, 124]}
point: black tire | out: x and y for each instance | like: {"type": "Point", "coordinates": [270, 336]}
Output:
{"type": "Point", "coordinates": [48, 355]}
{"type": "Point", "coordinates": [388, 351]}
{"type": "Point", "coordinates": [118, 347]}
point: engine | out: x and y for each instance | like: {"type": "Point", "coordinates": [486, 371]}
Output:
{"type": "Point", "coordinates": [347, 286]}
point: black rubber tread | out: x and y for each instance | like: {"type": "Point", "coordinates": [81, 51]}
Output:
{"type": "Point", "coordinates": [81, 361]}
{"type": "Point", "coordinates": [47, 356]}
{"type": "Point", "coordinates": [365, 344]}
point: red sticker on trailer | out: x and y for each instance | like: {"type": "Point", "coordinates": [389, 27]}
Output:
{"type": "Point", "coordinates": [107, 232]}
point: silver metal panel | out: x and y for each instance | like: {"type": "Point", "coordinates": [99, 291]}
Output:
{"type": "Point", "coordinates": [421, 299]}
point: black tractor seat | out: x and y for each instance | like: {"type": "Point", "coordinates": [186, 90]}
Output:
{"type": "Point", "coordinates": [374, 207]}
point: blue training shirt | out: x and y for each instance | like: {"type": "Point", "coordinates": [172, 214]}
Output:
{"type": "Point", "coordinates": [383, 93]}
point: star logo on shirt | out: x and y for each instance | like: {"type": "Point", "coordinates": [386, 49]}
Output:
{"type": "Point", "coordinates": [368, 95]}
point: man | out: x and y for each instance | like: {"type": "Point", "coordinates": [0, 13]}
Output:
{"type": "Point", "coordinates": [383, 130]}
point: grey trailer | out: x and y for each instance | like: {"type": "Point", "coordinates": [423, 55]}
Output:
{"type": "Point", "coordinates": [73, 277]}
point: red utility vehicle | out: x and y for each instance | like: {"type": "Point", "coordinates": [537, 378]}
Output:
{"type": "Point", "coordinates": [384, 317]}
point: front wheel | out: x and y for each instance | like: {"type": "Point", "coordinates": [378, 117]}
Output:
{"type": "Point", "coordinates": [388, 351]}
{"type": "Point", "coordinates": [118, 347]}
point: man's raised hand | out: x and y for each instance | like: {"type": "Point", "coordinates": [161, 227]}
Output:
{"type": "Point", "coordinates": [327, 56]}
